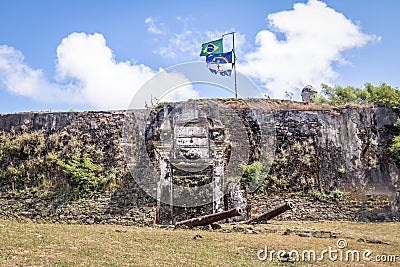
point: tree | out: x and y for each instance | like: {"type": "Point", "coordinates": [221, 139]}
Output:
{"type": "Point", "coordinates": [380, 95]}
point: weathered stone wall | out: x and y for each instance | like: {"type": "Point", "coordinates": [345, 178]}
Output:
{"type": "Point", "coordinates": [349, 143]}
{"type": "Point", "coordinates": [317, 147]}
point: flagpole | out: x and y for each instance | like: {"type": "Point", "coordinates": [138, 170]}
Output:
{"type": "Point", "coordinates": [234, 59]}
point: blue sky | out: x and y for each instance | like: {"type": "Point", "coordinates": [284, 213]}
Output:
{"type": "Point", "coordinates": [83, 55]}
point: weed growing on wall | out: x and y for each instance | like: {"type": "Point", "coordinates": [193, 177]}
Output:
{"type": "Point", "coordinates": [292, 170]}
{"type": "Point", "coordinates": [85, 178]}
{"type": "Point", "coordinates": [59, 161]}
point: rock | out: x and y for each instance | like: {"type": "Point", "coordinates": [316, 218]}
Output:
{"type": "Point", "coordinates": [287, 231]}
{"type": "Point", "coordinates": [374, 241]}
{"type": "Point", "coordinates": [270, 231]}
{"type": "Point", "coordinates": [324, 234]}
{"type": "Point", "coordinates": [205, 227]}
{"type": "Point", "coordinates": [251, 231]}
{"type": "Point", "coordinates": [304, 234]}
{"type": "Point", "coordinates": [239, 229]}
{"type": "Point", "coordinates": [215, 226]}
{"type": "Point", "coordinates": [38, 235]}
{"type": "Point", "coordinates": [90, 220]}
{"type": "Point", "coordinates": [113, 221]}
{"type": "Point", "coordinates": [197, 236]}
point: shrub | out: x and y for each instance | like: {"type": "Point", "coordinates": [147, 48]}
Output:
{"type": "Point", "coordinates": [85, 177]}
{"type": "Point", "coordinates": [337, 195]}
{"type": "Point", "coordinates": [250, 172]}
{"type": "Point", "coordinates": [318, 195]}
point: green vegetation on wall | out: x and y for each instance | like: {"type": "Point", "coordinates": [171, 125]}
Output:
{"type": "Point", "coordinates": [85, 178]}
{"type": "Point", "coordinates": [22, 159]}
{"type": "Point", "coordinates": [58, 161]}
{"type": "Point", "coordinates": [293, 169]}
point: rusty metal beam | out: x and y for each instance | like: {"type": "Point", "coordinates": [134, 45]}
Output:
{"type": "Point", "coordinates": [272, 213]}
{"type": "Point", "coordinates": [211, 218]}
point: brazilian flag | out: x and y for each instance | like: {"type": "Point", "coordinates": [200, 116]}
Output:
{"type": "Point", "coordinates": [212, 47]}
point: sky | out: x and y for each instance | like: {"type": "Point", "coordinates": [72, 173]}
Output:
{"type": "Point", "coordinates": [60, 55]}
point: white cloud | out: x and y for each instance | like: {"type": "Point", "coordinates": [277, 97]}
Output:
{"type": "Point", "coordinates": [87, 73]}
{"type": "Point", "coordinates": [20, 79]}
{"type": "Point", "coordinates": [180, 45]}
{"type": "Point", "coordinates": [316, 35]}
{"type": "Point", "coordinates": [154, 26]}
{"type": "Point", "coordinates": [103, 82]}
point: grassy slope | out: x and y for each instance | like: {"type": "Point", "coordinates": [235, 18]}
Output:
{"type": "Point", "coordinates": [29, 244]}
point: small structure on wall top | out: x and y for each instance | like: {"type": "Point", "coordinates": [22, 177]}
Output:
{"type": "Point", "coordinates": [307, 93]}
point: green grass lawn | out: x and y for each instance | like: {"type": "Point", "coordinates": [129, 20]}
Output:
{"type": "Point", "coordinates": [30, 244]}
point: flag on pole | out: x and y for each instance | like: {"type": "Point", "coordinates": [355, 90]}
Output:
{"type": "Point", "coordinates": [219, 63]}
{"type": "Point", "coordinates": [222, 58]}
{"type": "Point", "coordinates": [212, 47]}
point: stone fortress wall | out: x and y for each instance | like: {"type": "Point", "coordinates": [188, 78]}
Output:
{"type": "Point", "coordinates": [337, 148]}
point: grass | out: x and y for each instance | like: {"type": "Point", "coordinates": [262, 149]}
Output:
{"type": "Point", "coordinates": [30, 244]}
